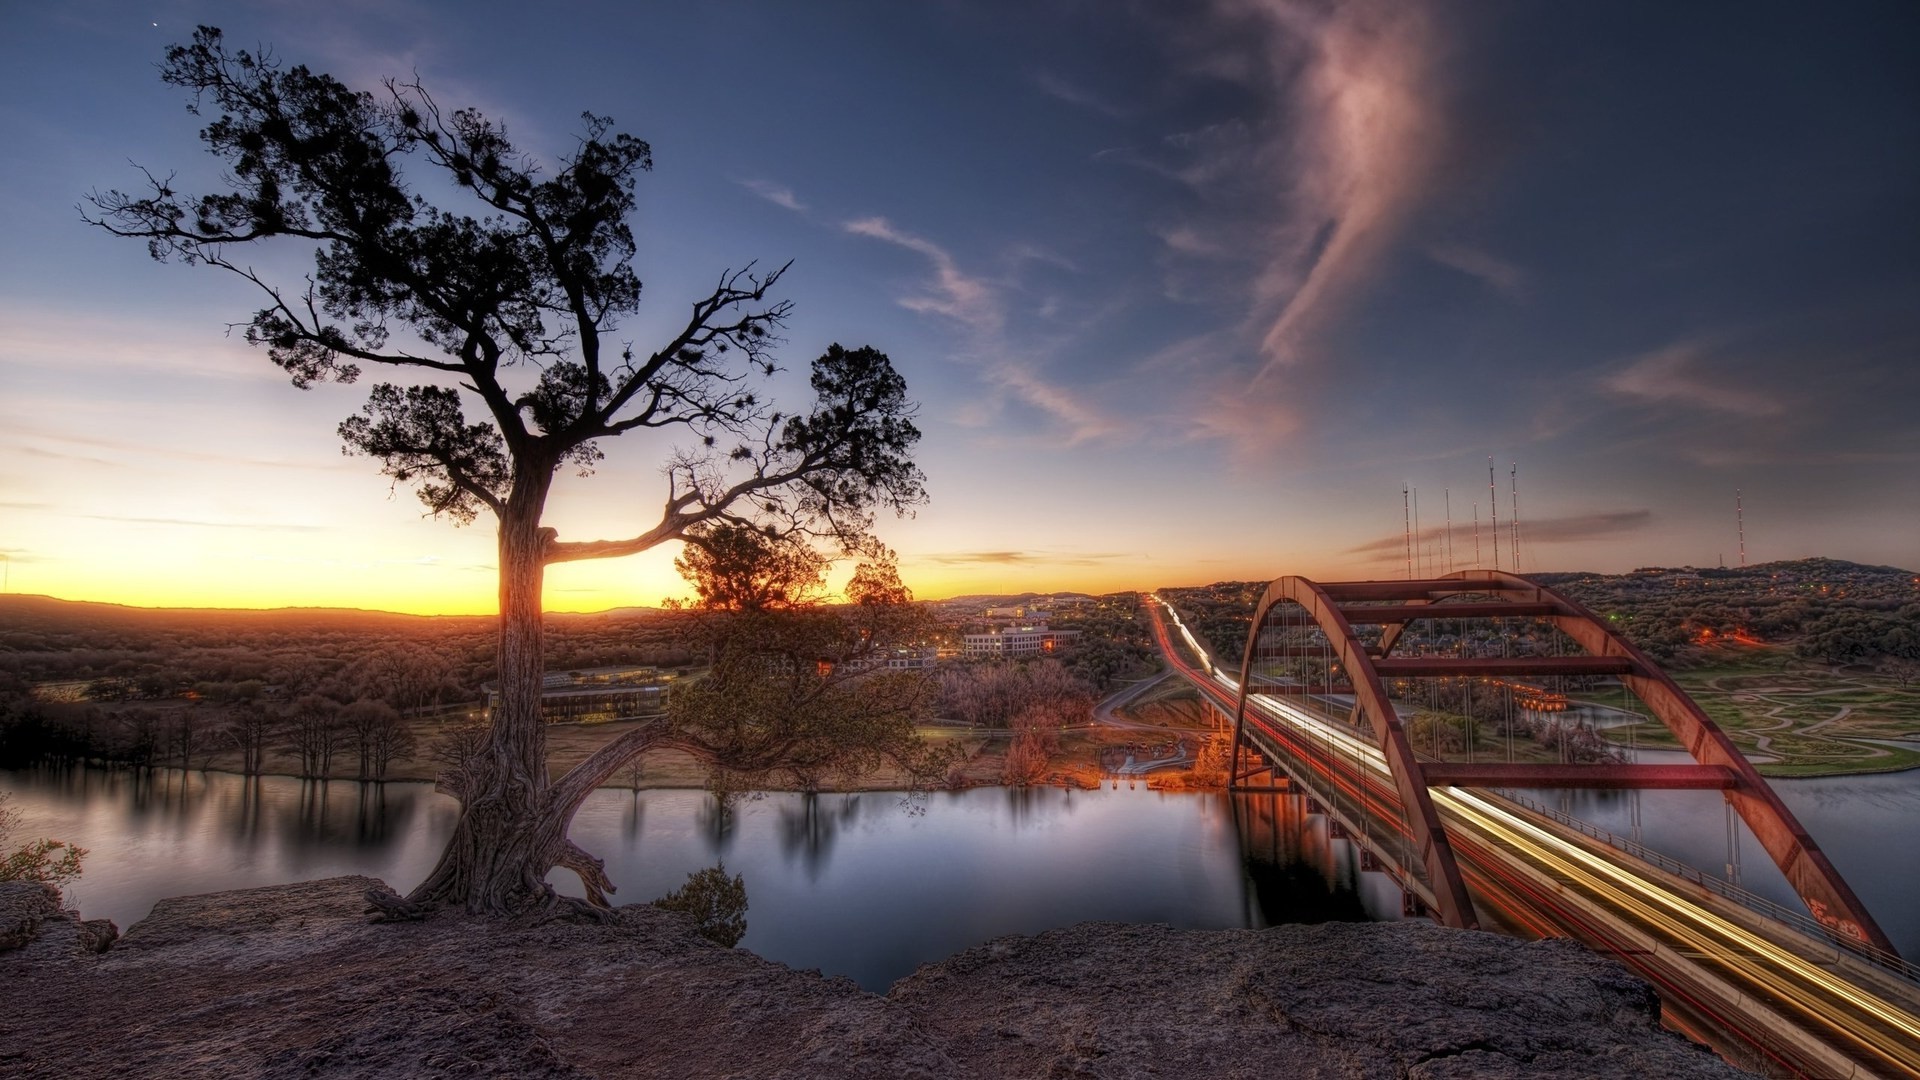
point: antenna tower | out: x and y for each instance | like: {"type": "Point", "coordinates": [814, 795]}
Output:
{"type": "Point", "coordinates": [1406, 525]}
{"type": "Point", "coordinates": [1493, 507]}
{"type": "Point", "coordinates": [1448, 494]}
{"type": "Point", "coordinates": [1740, 524]}
{"type": "Point", "coordinates": [1513, 525]}
{"type": "Point", "coordinates": [1476, 536]}
{"type": "Point", "coordinates": [1420, 540]}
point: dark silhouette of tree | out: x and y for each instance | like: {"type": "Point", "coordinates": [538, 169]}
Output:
{"type": "Point", "coordinates": [513, 303]}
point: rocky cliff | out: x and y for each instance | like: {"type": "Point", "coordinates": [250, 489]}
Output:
{"type": "Point", "coordinates": [292, 981]}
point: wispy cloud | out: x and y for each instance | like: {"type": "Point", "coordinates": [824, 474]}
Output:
{"type": "Point", "coordinates": [1083, 421]}
{"type": "Point", "coordinates": [1057, 86]}
{"type": "Point", "coordinates": [1020, 558]}
{"type": "Point", "coordinates": [1296, 204]}
{"type": "Point", "coordinates": [1502, 275]}
{"type": "Point", "coordinates": [776, 194]}
{"type": "Point", "coordinates": [1357, 150]}
{"type": "Point", "coordinates": [956, 295]}
{"type": "Point", "coordinates": [1675, 375]}
{"type": "Point", "coordinates": [1557, 530]}
{"type": "Point", "coordinates": [977, 305]}
{"type": "Point", "coordinates": [195, 523]}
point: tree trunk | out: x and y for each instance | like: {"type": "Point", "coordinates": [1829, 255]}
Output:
{"type": "Point", "coordinates": [507, 836]}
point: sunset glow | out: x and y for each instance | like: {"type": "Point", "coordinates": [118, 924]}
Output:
{"type": "Point", "coordinates": [1186, 293]}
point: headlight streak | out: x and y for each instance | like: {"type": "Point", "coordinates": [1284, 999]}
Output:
{"type": "Point", "coordinates": [1599, 875]}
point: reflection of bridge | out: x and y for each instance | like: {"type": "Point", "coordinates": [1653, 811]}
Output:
{"type": "Point", "coordinates": [1320, 702]}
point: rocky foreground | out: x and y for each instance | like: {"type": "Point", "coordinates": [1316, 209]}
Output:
{"type": "Point", "coordinates": [292, 981]}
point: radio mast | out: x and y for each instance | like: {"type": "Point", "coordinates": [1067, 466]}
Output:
{"type": "Point", "coordinates": [1740, 525]}
{"type": "Point", "coordinates": [1493, 507]}
{"type": "Point", "coordinates": [1406, 525]}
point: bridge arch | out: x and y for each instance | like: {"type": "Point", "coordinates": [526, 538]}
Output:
{"type": "Point", "coordinates": [1336, 608]}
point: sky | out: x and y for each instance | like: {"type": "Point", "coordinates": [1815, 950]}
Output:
{"type": "Point", "coordinates": [1185, 291]}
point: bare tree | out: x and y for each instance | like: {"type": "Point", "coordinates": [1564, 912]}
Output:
{"type": "Point", "coordinates": [194, 729]}
{"type": "Point", "coordinates": [313, 731]}
{"type": "Point", "coordinates": [513, 303]}
{"type": "Point", "coordinates": [378, 736]}
{"type": "Point", "coordinates": [252, 729]}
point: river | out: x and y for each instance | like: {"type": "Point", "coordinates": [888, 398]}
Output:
{"type": "Point", "coordinates": [871, 885]}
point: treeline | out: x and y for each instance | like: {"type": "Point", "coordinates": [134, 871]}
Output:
{"type": "Point", "coordinates": [1034, 701]}
{"type": "Point", "coordinates": [1828, 610]}
{"type": "Point", "coordinates": [329, 690]}
{"type": "Point", "coordinates": [409, 662]}
{"type": "Point", "coordinates": [1114, 642]}
{"type": "Point", "coordinates": [316, 732]}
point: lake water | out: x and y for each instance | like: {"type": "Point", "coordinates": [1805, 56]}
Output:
{"type": "Point", "coordinates": [872, 885]}
{"type": "Point", "coordinates": [867, 885]}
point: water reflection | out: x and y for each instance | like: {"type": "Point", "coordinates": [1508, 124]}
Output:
{"type": "Point", "coordinates": [869, 885]}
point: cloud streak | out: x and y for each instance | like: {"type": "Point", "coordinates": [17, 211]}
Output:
{"type": "Point", "coordinates": [1062, 89]}
{"type": "Point", "coordinates": [1559, 530]}
{"type": "Point", "coordinates": [1673, 375]}
{"type": "Point", "coordinates": [1504, 277]}
{"type": "Point", "coordinates": [976, 304]}
{"type": "Point", "coordinates": [194, 523]}
{"type": "Point", "coordinates": [775, 194]}
{"type": "Point", "coordinates": [1018, 558]}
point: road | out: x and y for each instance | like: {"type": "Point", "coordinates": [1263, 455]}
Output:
{"type": "Point", "coordinates": [1756, 989]}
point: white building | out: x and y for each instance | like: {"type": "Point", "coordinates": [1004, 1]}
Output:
{"type": "Point", "coordinates": [1012, 643]}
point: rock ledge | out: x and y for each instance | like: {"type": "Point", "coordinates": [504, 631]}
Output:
{"type": "Point", "coordinates": [291, 981]}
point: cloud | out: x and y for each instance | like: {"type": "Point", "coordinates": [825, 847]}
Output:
{"type": "Point", "coordinates": [199, 524]}
{"type": "Point", "coordinates": [1560, 530]}
{"type": "Point", "coordinates": [1672, 375]}
{"type": "Point", "coordinates": [1369, 131]}
{"type": "Point", "coordinates": [1083, 421]}
{"type": "Point", "coordinates": [136, 452]}
{"type": "Point", "coordinates": [775, 194]}
{"type": "Point", "coordinates": [977, 305]}
{"type": "Point", "coordinates": [1504, 276]}
{"type": "Point", "coordinates": [1056, 86]}
{"type": "Point", "coordinates": [1018, 558]}
{"type": "Point", "coordinates": [956, 295]}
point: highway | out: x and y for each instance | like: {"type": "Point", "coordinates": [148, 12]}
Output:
{"type": "Point", "coordinates": [1766, 995]}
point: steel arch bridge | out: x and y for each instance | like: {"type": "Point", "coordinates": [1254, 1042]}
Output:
{"type": "Point", "coordinates": [1350, 665]}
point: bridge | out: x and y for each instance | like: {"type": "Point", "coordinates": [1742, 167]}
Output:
{"type": "Point", "coordinates": [1317, 704]}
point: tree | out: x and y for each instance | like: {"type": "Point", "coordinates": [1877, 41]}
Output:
{"type": "Point", "coordinates": [313, 731]}
{"type": "Point", "coordinates": [740, 568]}
{"type": "Point", "coordinates": [717, 903]}
{"type": "Point", "coordinates": [53, 861]}
{"type": "Point", "coordinates": [513, 302]}
{"type": "Point", "coordinates": [378, 736]}
{"type": "Point", "coordinates": [252, 729]}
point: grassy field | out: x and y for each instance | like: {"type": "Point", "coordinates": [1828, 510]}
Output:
{"type": "Point", "coordinates": [1807, 719]}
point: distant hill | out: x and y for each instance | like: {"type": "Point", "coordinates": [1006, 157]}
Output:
{"type": "Point", "coordinates": [35, 612]}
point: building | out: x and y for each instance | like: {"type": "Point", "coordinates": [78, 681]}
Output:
{"type": "Point", "coordinates": [597, 695]}
{"type": "Point", "coordinates": [902, 659]}
{"type": "Point", "coordinates": [1015, 643]}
